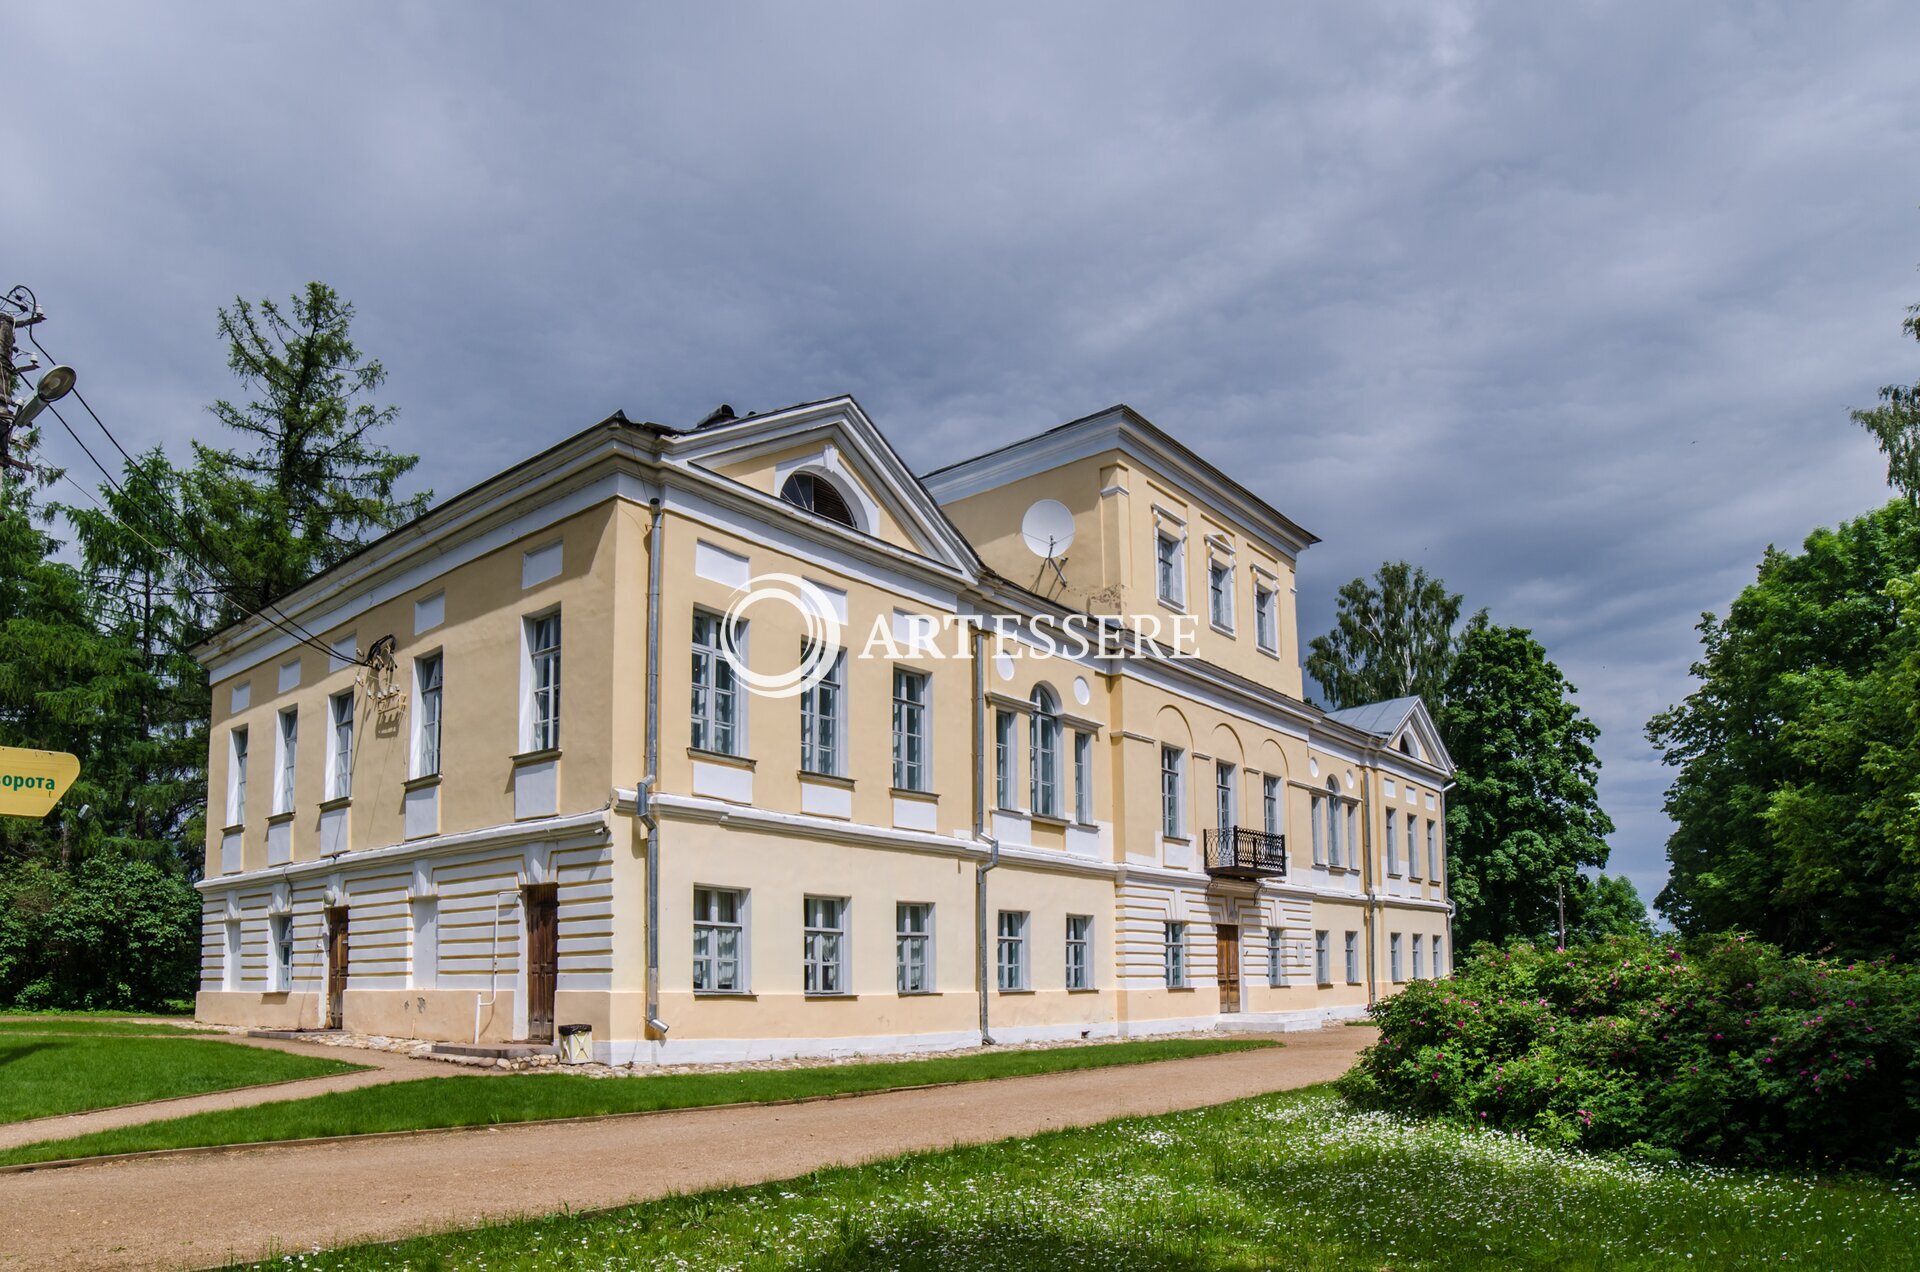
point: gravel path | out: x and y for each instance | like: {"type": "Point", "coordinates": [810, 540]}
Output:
{"type": "Point", "coordinates": [384, 1066]}
{"type": "Point", "coordinates": [199, 1210]}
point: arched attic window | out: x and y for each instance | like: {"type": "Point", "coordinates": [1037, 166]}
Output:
{"type": "Point", "coordinates": [818, 496]}
{"type": "Point", "coordinates": [1408, 746]}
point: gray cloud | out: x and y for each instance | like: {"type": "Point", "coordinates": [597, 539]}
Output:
{"type": "Point", "coordinates": [1567, 305]}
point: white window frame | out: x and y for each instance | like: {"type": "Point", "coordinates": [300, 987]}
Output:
{"type": "Point", "coordinates": [1173, 793]}
{"type": "Point", "coordinates": [708, 923]}
{"type": "Point", "coordinates": [1413, 849]}
{"type": "Point", "coordinates": [279, 953]}
{"type": "Point", "coordinates": [716, 707]}
{"type": "Point", "coordinates": [1316, 805]}
{"type": "Point", "coordinates": [1351, 952]}
{"type": "Point", "coordinates": [1336, 860]}
{"type": "Point", "coordinates": [1276, 958]}
{"type": "Point", "coordinates": [1266, 623]}
{"type": "Point", "coordinates": [1393, 841]}
{"type": "Point", "coordinates": [912, 727]}
{"type": "Point", "coordinates": [1322, 957]}
{"type": "Point", "coordinates": [1012, 964]}
{"type": "Point", "coordinates": [1006, 727]}
{"type": "Point", "coordinates": [1419, 957]}
{"type": "Point", "coordinates": [910, 942]}
{"type": "Point", "coordinates": [429, 695]}
{"type": "Point", "coordinates": [1170, 568]}
{"type": "Point", "coordinates": [1220, 594]}
{"type": "Point", "coordinates": [823, 718]}
{"type": "Point", "coordinates": [286, 758]}
{"type": "Point", "coordinates": [1226, 796]}
{"type": "Point", "coordinates": [1272, 805]}
{"type": "Point", "coordinates": [1439, 970]}
{"type": "Point", "coordinates": [1176, 954]}
{"type": "Point", "coordinates": [1083, 777]}
{"type": "Point", "coordinates": [542, 674]}
{"type": "Point", "coordinates": [1079, 952]}
{"type": "Point", "coordinates": [1043, 754]}
{"type": "Point", "coordinates": [1434, 867]}
{"type": "Point", "coordinates": [1395, 967]}
{"type": "Point", "coordinates": [237, 756]}
{"type": "Point", "coordinates": [823, 949]}
{"type": "Point", "coordinates": [340, 745]}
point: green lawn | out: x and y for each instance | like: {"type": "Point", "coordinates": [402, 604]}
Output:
{"type": "Point", "coordinates": [1288, 1181]}
{"type": "Point", "coordinates": [89, 1024]}
{"type": "Point", "coordinates": [484, 1101]}
{"type": "Point", "coordinates": [66, 1066]}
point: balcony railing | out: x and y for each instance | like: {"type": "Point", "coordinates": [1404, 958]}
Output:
{"type": "Point", "coordinates": [1241, 852]}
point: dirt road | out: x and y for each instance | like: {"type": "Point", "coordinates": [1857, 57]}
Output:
{"type": "Point", "coordinates": [195, 1211]}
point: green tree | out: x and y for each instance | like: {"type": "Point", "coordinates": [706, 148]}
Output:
{"type": "Point", "coordinates": [311, 483]}
{"type": "Point", "coordinates": [1524, 817]}
{"type": "Point", "coordinates": [1392, 637]}
{"type": "Point", "coordinates": [1605, 906]}
{"type": "Point", "coordinates": [1797, 757]}
{"type": "Point", "coordinates": [1895, 424]}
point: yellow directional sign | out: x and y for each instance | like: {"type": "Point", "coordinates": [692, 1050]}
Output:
{"type": "Point", "coordinates": [32, 782]}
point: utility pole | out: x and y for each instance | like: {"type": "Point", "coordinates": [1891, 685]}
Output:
{"type": "Point", "coordinates": [18, 308]}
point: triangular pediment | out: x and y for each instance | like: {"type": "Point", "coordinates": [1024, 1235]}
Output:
{"type": "Point", "coordinates": [834, 443]}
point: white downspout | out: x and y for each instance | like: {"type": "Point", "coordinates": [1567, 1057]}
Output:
{"type": "Point", "coordinates": [982, 969]}
{"type": "Point", "coordinates": [493, 964]}
{"type": "Point", "coordinates": [651, 781]}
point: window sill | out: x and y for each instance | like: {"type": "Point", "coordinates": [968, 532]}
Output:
{"type": "Point", "coordinates": [827, 779]}
{"type": "Point", "coordinates": [280, 818]}
{"type": "Point", "coordinates": [1180, 989]}
{"type": "Point", "coordinates": [338, 802]}
{"type": "Point", "coordinates": [725, 993]}
{"type": "Point", "coordinates": [1177, 607]}
{"type": "Point", "coordinates": [1224, 631]}
{"type": "Point", "coordinates": [1013, 993]}
{"type": "Point", "coordinates": [904, 793]}
{"type": "Point", "coordinates": [235, 829]}
{"type": "Point", "coordinates": [1048, 819]}
{"type": "Point", "coordinates": [917, 993]}
{"type": "Point", "coordinates": [537, 757]}
{"type": "Point", "coordinates": [1083, 989]}
{"type": "Point", "coordinates": [722, 757]}
{"type": "Point", "coordinates": [422, 783]}
{"type": "Point", "coordinates": [1185, 841]}
{"type": "Point", "coordinates": [831, 998]}
{"type": "Point", "coordinates": [1268, 651]}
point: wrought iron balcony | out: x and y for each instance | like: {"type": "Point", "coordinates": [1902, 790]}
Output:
{"type": "Point", "coordinates": [1241, 852]}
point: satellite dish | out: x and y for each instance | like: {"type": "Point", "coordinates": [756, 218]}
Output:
{"type": "Point", "coordinates": [1047, 528]}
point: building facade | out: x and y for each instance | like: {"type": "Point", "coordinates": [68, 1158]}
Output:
{"type": "Point", "coordinates": [546, 757]}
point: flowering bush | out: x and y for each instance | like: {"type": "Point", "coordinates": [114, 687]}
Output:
{"type": "Point", "coordinates": [1723, 1049]}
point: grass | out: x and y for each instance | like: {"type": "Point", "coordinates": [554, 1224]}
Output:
{"type": "Point", "coordinates": [68, 1066]}
{"type": "Point", "coordinates": [488, 1101]}
{"type": "Point", "coordinates": [1299, 1180]}
{"type": "Point", "coordinates": [93, 1025]}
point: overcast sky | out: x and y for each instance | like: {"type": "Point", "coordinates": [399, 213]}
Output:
{"type": "Point", "coordinates": [1566, 306]}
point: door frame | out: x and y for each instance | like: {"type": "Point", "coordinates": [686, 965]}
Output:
{"type": "Point", "coordinates": [534, 898]}
{"type": "Point", "coordinates": [1228, 969]}
{"type": "Point", "coordinates": [339, 937]}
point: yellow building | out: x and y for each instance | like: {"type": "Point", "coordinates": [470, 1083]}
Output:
{"type": "Point", "coordinates": [742, 741]}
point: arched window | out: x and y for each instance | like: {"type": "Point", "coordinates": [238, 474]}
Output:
{"type": "Point", "coordinates": [1408, 746]}
{"type": "Point", "coordinates": [1043, 750]}
{"type": "Point", "coordinates": [818, 496]}
{"type": "Point", "coordinates": [1334, 857]}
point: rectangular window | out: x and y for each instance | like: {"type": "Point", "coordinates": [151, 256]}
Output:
{"type": "Point", "coordinates": [1352, 839]}
{"type": "Point", "coordinates": [821, 716]}
{"type": "Point", "coordinates": [1004, 726]}
{"type": "Point", "coordinates": [1176, 967]}
{"type": "Point", "coordinates": [1226, 783]}
{"type": "Point", "coordinates": [1276, 964]}
{"type": "Point", "coordinates": [1169, 570]}
{"type": "Point", "coordinates": [289, 752]}
{"type": "Point", "coordinates": [1012, 959]}
{"type": "Point", "coordinates": [913, 947]}
{"type": "Point", "coordinates": [1394, 967]}
{"type": "Point", "coordinates": [1353, 958]}
{"type": "Point", "coordinates": [340, 744]}
{"type": "Point", "coordinates": [1413, 853]}
{"type": "Point", "coordinates": [426, 738]}
{"type": "Point", "coordinates": [1419, 956]}
{"type": "Point", "coordinates": [1319, 830]}
{"type": "Point", "coordinates": [1322, 965]}
{"type": "Point", "coordinates": [1433, 851]}
{"type": "Point", "coordinates": [1270, 805]}
{"type": "Point", "coordinates": [1173, 819]}
{"type": "Point", "coordinates": [716, 696]}
{"type": "Point", "coordinates": [1043, 760]}
{"type": "Point", "coordinates": [1439, 959]}
{"type": "Point", "coordinates": [1334, 857]}
{"type": "Point", "coordinates": [825, 948]}
{"type": "Point", "coordinates": [237, 778]}
{"type": "Point", "coordinates": [1083, 778]}
{"type": "Point", "coordinates": [719, 944]}
{"type": "Point", "coordinates": [426, 943]}
{"type": "Point", "coordinates": [1266, 625]}
{"type": "Point", "coordinates": [543, 683]}
{"type": "Point", "coordinates": [1220, 594]}
{"type": "Point", "coordinates": [280, 932]}
{"type": "Point", "coordinates": [1080, 951]}
{"type": "Point", "coordinates": [1393, 841]}
{"type": "Point", "coordinates": [910, 729]}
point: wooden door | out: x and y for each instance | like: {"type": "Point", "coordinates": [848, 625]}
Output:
{"type": "Point", "coordinates": [337, 968]}
{"type": "Point", "coordinates": [1229, 956]}
{"type": "Point", "coordinates": [543, 959]}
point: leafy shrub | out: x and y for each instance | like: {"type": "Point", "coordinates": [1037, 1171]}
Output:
{"type": "Point", "coordinates": [1725, 1049]}
{"type": "Point", "coordinates": [110, 935]}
